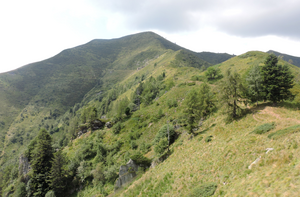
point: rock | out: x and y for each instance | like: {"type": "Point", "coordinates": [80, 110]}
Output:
{"type": "Point", "coordinates": [269, 149]}
{"type": "Point", "coordinates": [108, 124]}
{"type": "Point", "coordinates": [254, 162]}
{"type": "Point", "coordinates": [24, 167]}
{"type": "Point", "coordinates": [126, 173]}
{"type": "Point", "coordinates": [96, 124]}
{"type": "Point", "coordinates": [191, 137]}
{"type": "Point", "coordinates": [82, 129]}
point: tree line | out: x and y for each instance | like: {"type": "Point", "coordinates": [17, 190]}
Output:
{"type": "Point", "coordinates": [271, 82]}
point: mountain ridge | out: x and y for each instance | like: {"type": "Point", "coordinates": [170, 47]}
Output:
{"type": "Point", "coordinates": [138, 84]}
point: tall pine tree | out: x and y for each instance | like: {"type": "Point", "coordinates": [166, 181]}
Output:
{"type": "Point", "coordinates": [41, 164]}
{"type": "Point", "coordinates": [58, 174]}
{"type": "Point", "coordinates": [277, 80]}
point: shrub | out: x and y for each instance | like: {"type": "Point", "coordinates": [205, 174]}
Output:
{"type": "Point", "coordinates": [145, 148]}
{"type": "Point", "coordinates": [279, 133]}
{"type": "Point", "coordinates": [117, 128]}
{"type": "Point", "coordinates": [172, 103]}
{"type": "Point", "coordinates": [163, 133]}
{"type": "Point", "coordinates": [140, 160]}
{"type": "Point", "coordinates": [111, 173]}
{"type": "Point", "coordinates": [206, 189]}
{"type": "Point", "coordinates": [134, 145]}
{"type": "Point", "coordinates": [208, 138]}
{"type": "Point", "coordinates": [50, 194]}
{"type": "Point", "coordinates": [182, 84]}
{"type": "Point", "coordinates": [191, 84]}
{"type": "Point", "coordinates": [197, 78]}
{"type": "Point", "coordinates": [200, 138]}
{"type": "Point", "coordinates": [161, 146]}
{"type": "Point", "coordinates": [264, 128]}
{"type": "Point", "coordinates": [21, 190]}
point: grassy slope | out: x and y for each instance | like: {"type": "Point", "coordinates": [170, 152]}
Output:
{"type": "Point", "coordinates": [226, 158]}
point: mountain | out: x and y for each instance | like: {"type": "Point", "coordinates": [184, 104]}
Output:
{"type": "Point", "coordinates": [38, 93]}
{"type": "Point", "coordinates": [137, 86]}
{"type": "Point", "coordinates": [291, 59]}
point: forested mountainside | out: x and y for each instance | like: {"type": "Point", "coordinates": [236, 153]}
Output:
{"type": "Point", "coordinates": [184, 125]}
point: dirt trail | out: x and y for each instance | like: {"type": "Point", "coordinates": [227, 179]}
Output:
{"type": "Point", "coordinates": [269, 111]}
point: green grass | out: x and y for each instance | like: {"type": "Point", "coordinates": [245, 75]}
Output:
{"type": "Point", "coordinates": [264, 128]}
{"type": "Point", "coordinates": [283, 132]}
{"type": "Point", "coordinates": [204, 190]}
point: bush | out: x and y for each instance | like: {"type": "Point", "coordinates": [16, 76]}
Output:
{"type": "Point", "coordinates": [50, 194]}
{"type": "Point", "coordinates": [145, 148]}
{"type": "Point", "coordinates": [279, 133]}
{"type": "Point", "coordinates": [140, 160]}
{"type": "Point", "coordinates": [21, 190]}
{"type": "Point", "coordinates": [206, 189]}
{"type": "Point", "coordinates": [117, 128]}
{"type": "Point", "coordinates": [264, 128]}
{"type": "Point", "coordinates": [134, 145]}
{"type": "Point", "coordinates": [163, 133]}
{"type": "Point", "coordinates": [161, 146]}
{"type": "Point", "coordinates": [191, 84]}
{"type": "Point", "coordinates": [172, 103]}
{"type": "Point", "coordinates": [197, 78]}
{"type": "Point", "coordinates": [208, 138]}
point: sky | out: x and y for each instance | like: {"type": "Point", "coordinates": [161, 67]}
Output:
{"type": "Point", "coordinates": [35, 30]}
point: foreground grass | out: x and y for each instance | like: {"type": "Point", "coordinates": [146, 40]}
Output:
{"type": "Point", "coordinates": [226, 158]}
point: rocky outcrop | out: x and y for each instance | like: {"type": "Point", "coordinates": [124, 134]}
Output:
{"type": "Point", "coordinates": [96, 124]}
{"type": "Point", "coordinates": [108, 124]}
{"type": "Point", "coordinates": [82, 129]}
{"type": "Point", "coordinates": [126, 173]}
{"type": "Point", "coordinates": [24, 166]}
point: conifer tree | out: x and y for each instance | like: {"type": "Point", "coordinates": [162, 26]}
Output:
{"type": "Point", "coordinates": [206, 100]}
{"type": "Point", "coordinates": [231, 93]}
{"type": "Point", "coordinates": [277, 80]}
{"type": "Point", "coordinates": [254, 82]}
{"type": "Point", "coordinates": [192, 109]}
{"type": "Point", "coordinates": [198, 105]}
{"type": "Point", "coordinates": [58, 174]}
{"type": "Point", "coordinates": [41, 164]}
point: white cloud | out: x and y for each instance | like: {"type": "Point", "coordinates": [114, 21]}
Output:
{"type": "Point", "coordinates": [33, 30]}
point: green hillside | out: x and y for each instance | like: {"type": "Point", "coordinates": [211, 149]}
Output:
{"type": "Point", "coordinates": [141, 85]}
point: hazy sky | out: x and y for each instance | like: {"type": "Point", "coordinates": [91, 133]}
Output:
{"type": "Point", "coordinates": [35, 30]}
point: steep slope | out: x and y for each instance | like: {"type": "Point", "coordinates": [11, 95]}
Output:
{"type": "Point", "coordinates": [35, 95]}
{"type": "Point", "coordinates": [289, 58]}
{"type": "Point", "coordinates": [214, 58]}
{"type": "Point", "coordinates": [194, 161]}
{"type": "Point", "coordinates": [138, 83]}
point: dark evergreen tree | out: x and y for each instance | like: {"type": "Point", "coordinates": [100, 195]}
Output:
{"type": "Point", "coordinates": [277, 80]}
{"type": "Point", "coordinates": [58, 174]}
{"type": "Point", "coordinates": [41, 164]}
